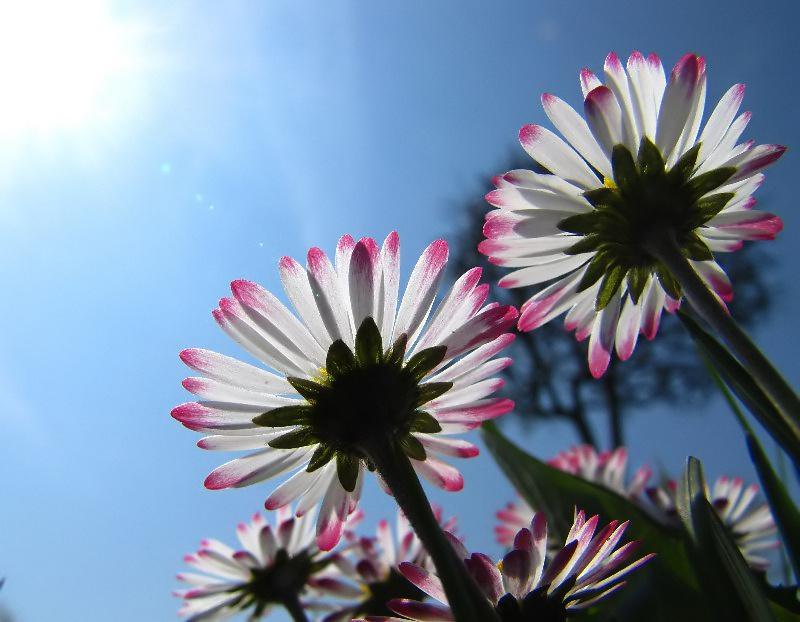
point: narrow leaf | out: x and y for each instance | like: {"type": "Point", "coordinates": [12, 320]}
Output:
{"type": "Point", "coordinates": [729, 583]}
{"type": "Point", "coordinates": [423, 362]}
{"type": "Point", "coordinates": [580, 224]}
{"type": "Point", "coordinates": [705, 183]}
{"type": "Point", "coordinates": [302, 437]}
{"type": "Point", "coordinates": [321, 456]}
{"type": "Point", "coordinates": [684, 166]}
{"type": "Point", "coordinates": [425, 423]}
{"type": "Point", "coordinates": [413, 448]}
{"type": "Point", "coordinates": [651, 164]}
{"type": "Point", "coordinates": [369, 345]}
{"type": "Point", "coordinates": [745, 388]}
{"type": "Point", "coordinates": [308, 389]}
{"type": "Point", "coordinates": [347, 469]}
{"type": "Point", "coordinates": [430, 391]}
{"type": "Point", "coordinates": [285, 415]}
{"type": "Point", "coordinates": [340, 359]}
{"type": "Point", "coordinates": [611, 282]}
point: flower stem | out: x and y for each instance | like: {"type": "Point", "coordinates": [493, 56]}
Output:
{"type": "Point", "coordinates": [295, 609]}
{"type": "Point", "coordinates": [664, 247]}
{"type": "Point", "coordinates": [465, 598]}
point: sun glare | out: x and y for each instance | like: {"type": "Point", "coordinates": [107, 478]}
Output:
{"type": "Point", "coordinates": [55, 58]}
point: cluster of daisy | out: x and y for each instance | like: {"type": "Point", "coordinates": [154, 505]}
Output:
{"type": "Point", "coordinates": [751, 526]}
{"type": "Point", "coordinates": [357, 377]}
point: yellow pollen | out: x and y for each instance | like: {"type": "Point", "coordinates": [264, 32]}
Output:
{"type": "Point", "coordinates": [609, 183]}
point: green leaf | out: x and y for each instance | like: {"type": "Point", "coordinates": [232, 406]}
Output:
{"type": "Point", "coordinates": [425, 423]}
{"type": "Point", "coordinates": [413, 448]}
{"type": "Point", "coordinates": [580, 224]}
{"type": "Point", "coordinates": [784, 511]}
{"type": "Point", "coordinates": [625, 174]}
{"type": "Point", "coordinates": [322, 455]}
{"type": "Point", "coordinates": [302, 437]}
{"type": "Point", "coordinates": [430, 391]}
{"type": "Point", "coordinates": [712, 205]}
{"type": "Point", "coordinates": [727, 580]}
{"type": "Point", "coordinates": [745, 388]}
{"type": "Point", "coordinates": [585, 244]}
{"type": "Point", "coordinates": [651, 164]}
{"type": "Point", "coordinates": [668, 579]}
{"type": "Point", "coordinates": [424, 361]}
{"type": "Point", "coordinates": [611, 281]}
{"type": "Point", "coordinates": [601, 198]}
{"type": "Point", "coordinates": [637, 279]}
{"type": "Point", "coordinates": [299, 414]}
{"type": "Point", "coordinates": [347, 468]}
{"type": "Point", "coordinates": [680, 172]}
{"type": "Point", "coordinates": [395, 354]}
{"type": "Point", "coordinates": [705, 183]}
{"type": "Point", "coordinates": [369, 345]}
{"type": "Point", "coordinates": [340, 359]}
{"type": "Point", "coordinates": [668, 282]}
{"type": "Point", "coordinates": [308, 389]}
{"type": "Point", "coordinates": [696, 249]}
{"type": "Point", "coordinates": [594, 271]}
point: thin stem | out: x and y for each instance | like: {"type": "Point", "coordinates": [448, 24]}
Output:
{"type": "Point", "coordinates": [465, 598]}
{"type": "Point", "coordinates": [295, 609]}
{"type": "Point", "coordinates": [664, 247]}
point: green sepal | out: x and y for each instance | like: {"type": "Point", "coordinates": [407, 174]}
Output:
{"type": "Point", "coordinates": [347, 468]}
{"type": "Point", "coordinates": [669, 283]}
{"type": "Point", "coordinates": [369, 345]}
{"type": "Point", "coordinates": [587, 244]}
{"type": "Point", "coordinates": [423, 362]}
{"type": "Point", "coordinates": [425, 423]}
{"type": "Point", "coordinates": [340, 359]}
{"type": "Point", "coordinates": [651, 164]}
{"type": "Point", "coordinates": [696, 249]}
{"type": "Point", "coordinates": [679, 173]}
{"type": "Point", "coordinates": [625, 174]}
{"type": "Point", "coordinates": [430, 391]}
{"type": "Point", "coordinates": [602, 198]}
{"type": "Point", "coordinates": [413, 448]}
{"type": "Point", "coordinates": [611, 281]}
{"type": "Point", "coordinates": [594, 271]}
{"type": "Point", "coordinates": [581, 224]}
{"type": "Point", "coordinates": [703, 184]}
{"type": "Point", "coordinates": [308, 389]}
{"type": "Point", "coordinates": [637, 280]}
{"type": "Point", "coordinates": [395, 354]}
{"type": "Point", "coordinates": [710, 206]}
{"type": "Point", "coordinates": [299, 414]}
{"type": "Point", "coordinates": [302, 437]}
{"type": "Point", "coordinates": [322, 455]}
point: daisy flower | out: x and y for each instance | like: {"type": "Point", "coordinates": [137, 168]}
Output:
{"type": "Point", "coordinates": [606, 467]}
{"type": "Point", "coordinates": [752, 527]}
{"type": "Point", "coordinates": [376, 562]}
{"type": "Point", "coordinates": [632, 177]}
{"type": "Point", "coordinates": [524, 585]}
{"type": "Point", "coordinates": [278, 565]}
{"type": "Point", "coordinates": [359, 377]}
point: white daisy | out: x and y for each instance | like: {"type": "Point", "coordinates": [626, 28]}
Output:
{"type": "Point", "coordinates": [350, 374]}
{"type": "Point", "coordinates": [630, 174]}
{"type": "Point", "coordinates": [276, 565]}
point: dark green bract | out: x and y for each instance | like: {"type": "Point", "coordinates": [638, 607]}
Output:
{"type": "Point", "coordinates": [361, 401]}
{"type": "Point", "coordinates": [646, 200]}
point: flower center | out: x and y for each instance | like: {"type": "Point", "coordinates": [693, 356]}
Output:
{"type": "Point", "coordinates": [645, 202]}
{"type": "Point", "coordinates": [361, 401]}
{"type": "Point", "coordinates": [393, 586]}
{"type": "Point", "coordinates": [285, 578]}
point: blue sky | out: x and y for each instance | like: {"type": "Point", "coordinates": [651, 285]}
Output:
{"type": "Point", "coordinates": [225, 135]}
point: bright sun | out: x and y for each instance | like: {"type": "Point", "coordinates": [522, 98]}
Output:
{"type": "Point", "coordinates": [55, 58]}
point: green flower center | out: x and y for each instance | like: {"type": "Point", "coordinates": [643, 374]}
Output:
{"type": "Point", "coordinates": [283, 580]}
{"type": "Point", "coordinates": [361, 401]}
{"type": "Point", "coordinates": [644, 202]}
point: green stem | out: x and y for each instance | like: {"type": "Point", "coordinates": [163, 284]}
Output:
{"type": "Point", "coordinates": [465, 598]}
{"type": "Point", "coordinates": [295, 609]}
{"type": "Point", "coordinates": [664, 247]}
